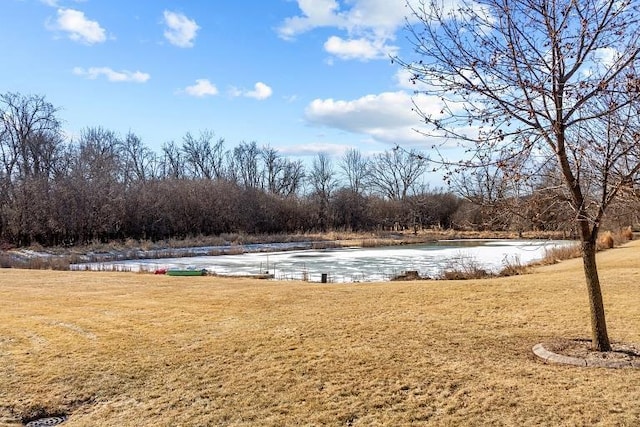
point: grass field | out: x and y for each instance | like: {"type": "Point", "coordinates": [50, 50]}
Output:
{"type": "Point", "coordinates": [120, 349]}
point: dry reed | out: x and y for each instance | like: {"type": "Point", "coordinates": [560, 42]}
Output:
{"type": "Point", "coordinates": [606, 241]}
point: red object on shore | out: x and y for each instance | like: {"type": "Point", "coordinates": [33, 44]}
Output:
{"type": "Point", "coordinates": [160, 271]}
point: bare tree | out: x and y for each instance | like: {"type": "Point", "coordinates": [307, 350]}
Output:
{"type": "Point", "coordinates": [537, 80]}
{"type": "Point", "coordinates": [31, 147]}
{"type": "Point", "coordinates": [293, 175]}
{"type": "Point", "coordinates": [172, 161]}
{"type": "Point", "coordinates": [487, 189]}
{"type": "Point", "coordinates": [283, 177]}
{"type": "Point", "coordinates": [322, 175]}
{"type": "Point", "coordinates": [202, 157]}
{"type": "Point", "coordinates": [355, 168]}
{"type": "Point", "coordinates": [350, 210]}
{"type": "Point", "coordinates": [506, 201]}
{"type": "Point", "coordinates": [394, 173]}
{"type": "Point", "coordinates": [245, 165]}
{"type": "Point", "coordinates": [30, 136]}
{"type": "Point", "coordinates": [273, 165]}
{"type": "Point", "coordinates": [432, 208]}
{"type": "Point", "coordinates": [137, 159]}
{"type": "Point", "coordinates": [94, 188]}
{"type": "Point", "coordinates": [323, 182]}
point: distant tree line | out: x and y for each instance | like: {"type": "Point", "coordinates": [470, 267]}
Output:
{"type": "Point", "coordinates": [101, 186]}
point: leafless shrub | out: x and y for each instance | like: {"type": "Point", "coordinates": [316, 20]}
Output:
{"type": "Point", "coordinates": [513, 266]}
{"type": "Point", "coordinates": [609, 239]}
{"type": "Point", "coordinates": [622, 236]}
{"type": "Point", "coordinates": [464, 267]}
{"type": "Point", "coordinates": [556, 254]}
{"type": "Point", "coordinates": [407, 275]}
{"type": "Point", "coordinates": [606, 241]}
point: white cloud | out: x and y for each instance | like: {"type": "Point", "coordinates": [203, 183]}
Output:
{"type": "Point", "coordinates": [78, 27]}
{"type": "Point", "coordinates": [382, 17]}
{"type": "Point", "coordinates": [202, 88]}
{"type": "Point", "coordinates": [181, 31]}
{"type": "Point", "coordinates": [386, 117]}
{"type": "Point", "coordinates": [360, 115]}
{"type": "Point", "coordinates": [112, 75]}
{"type": "Point", "coordinates": [312, 149]}
{"type": "Point", "coordinates": [606, 56]}
{"type": "Point", "coordinates": [260, 91]}
{"type": "Point", "coordinates": [362, 48]}
{"type": "Point", "coordinates": [315, 13]}
{"type": "Point", "coordinates": [369, 24]}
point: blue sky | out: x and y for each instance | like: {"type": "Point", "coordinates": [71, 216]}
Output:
{"type": "Point", "coordinates": [301, 76]}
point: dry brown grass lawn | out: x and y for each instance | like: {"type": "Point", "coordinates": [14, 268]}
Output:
{"type": "Point", "coordinates": [120, 349]}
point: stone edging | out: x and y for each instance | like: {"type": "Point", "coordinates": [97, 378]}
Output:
{"type": "Point", "coordinates": [549, 356]}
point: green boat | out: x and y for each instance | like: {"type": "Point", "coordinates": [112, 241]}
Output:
{"type": "Point", "coordinates": [186, 272]}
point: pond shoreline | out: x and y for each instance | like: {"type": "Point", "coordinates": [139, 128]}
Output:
{"type": "Point", "coordinates": [469, 257]}
{"type": "Point", "coordinates": [60, 258]}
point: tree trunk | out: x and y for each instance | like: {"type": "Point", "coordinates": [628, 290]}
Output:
{"type": "Point", "coordinates": [599, 336]}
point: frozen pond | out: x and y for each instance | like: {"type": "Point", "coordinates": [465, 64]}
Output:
{"type": "Point", "coordinates": [352, 264]}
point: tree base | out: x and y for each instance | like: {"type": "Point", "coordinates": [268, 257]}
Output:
{"type": "Point", "coordinates": [579, 352]}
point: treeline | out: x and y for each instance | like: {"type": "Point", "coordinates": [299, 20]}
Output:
{"type": "Point", "coordinates": [101, 186]}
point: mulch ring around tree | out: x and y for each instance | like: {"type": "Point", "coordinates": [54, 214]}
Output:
{"type": "Point", "coordinates": [578, 352]}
